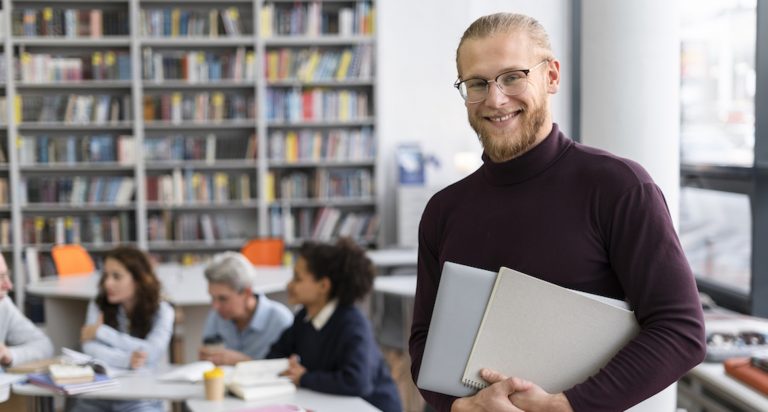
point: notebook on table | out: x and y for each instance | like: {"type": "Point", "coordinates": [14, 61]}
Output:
{"type": "Point", "coordinates": [459, 308]}
{"type": "Point", "coordinates": [547, 334]}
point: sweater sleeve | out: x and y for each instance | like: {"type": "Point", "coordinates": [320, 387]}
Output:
{"type": "Point", "coordinates": [426, 293]}
{"type": "Point", "coordinates": [120, 343]}
{"type": "Point", "coordinates": [354, 370]}
{"type": "Point", "coordinates": [285, 346]}
{"type": "Point", "coordinates": [647, 258]}
{"type": "Point", "coordinates": [24, 340]}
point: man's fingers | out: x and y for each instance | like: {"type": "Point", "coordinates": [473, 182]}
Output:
{"type": "Point", "coordinates": [491, 376]}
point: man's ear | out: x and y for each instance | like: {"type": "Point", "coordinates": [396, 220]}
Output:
{"type": "Point", "coordinates": [553, 76]}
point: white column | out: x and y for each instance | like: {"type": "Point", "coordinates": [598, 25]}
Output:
{"type": "Point", "coordinates": [630, 78]}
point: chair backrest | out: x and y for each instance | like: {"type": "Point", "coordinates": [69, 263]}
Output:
{"type": "Point", "coordinates": [265, 251]}
{"type": "Point", "coordinates": [72, 259]}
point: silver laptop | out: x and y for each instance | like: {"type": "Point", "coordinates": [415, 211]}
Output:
{"type": "Point", "coordinates": [461, 298]}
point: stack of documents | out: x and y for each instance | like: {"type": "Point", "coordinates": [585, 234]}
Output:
{"type": "Point", "coordinates": [99, 382]}
{"type": "Point", "coordinates": [260, 379]}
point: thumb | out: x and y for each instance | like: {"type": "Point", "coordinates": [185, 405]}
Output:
{"type": "Point", "coordinates": [492, 376]}
{"type": "Point", "coordinates": [293, 360]}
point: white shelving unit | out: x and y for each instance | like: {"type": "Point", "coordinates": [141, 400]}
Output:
{"type": "Point", "coordinates": [205, 202]}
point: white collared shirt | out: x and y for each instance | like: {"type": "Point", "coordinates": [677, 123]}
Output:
{"type": "Point", "coordinates": [319, 320]}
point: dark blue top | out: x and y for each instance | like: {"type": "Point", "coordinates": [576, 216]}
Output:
{"type": "Point", "coordinates": [341, 358]}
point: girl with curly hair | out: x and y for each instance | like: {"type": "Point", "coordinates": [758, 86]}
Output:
{"type": "Point", "coordinates": [330, 344]}
{"type": "Point", "coordinates": [128, 326]}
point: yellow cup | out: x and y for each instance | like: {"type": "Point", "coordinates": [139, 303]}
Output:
{"type": "Point", "coordinates": [214, 384]}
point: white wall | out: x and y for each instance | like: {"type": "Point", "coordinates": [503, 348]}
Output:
{"type": "Point", "coordinates": [416, 101]}
{"type": "Point", "coordinates": [630, 78]}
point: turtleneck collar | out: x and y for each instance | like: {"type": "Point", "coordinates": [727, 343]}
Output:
{"type": "Point", "coordinates": [530, 164]}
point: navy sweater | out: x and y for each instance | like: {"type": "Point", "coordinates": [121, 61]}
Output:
{"type": "Point", "coordinates": [341, 358]}
{"type": "Point", "coordinates": [584, 219]}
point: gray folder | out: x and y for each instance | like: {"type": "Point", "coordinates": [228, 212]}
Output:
{"type": "Point", "coordinates": [459, 307]}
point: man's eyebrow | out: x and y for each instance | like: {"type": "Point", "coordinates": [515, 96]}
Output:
{"type": "Point", "coordinates": [504, 70]}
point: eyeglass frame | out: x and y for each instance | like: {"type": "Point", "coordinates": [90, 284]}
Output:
{"type": "Point", "coordinates": [525, 72]}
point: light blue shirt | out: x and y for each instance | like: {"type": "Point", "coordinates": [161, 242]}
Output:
{"type": "Point", "coordinates": [267, 324]}
{"type": "Point", "coordinates": [115, 346]}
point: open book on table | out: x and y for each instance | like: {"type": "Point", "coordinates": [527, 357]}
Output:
{"type": "Point", "coordinates": [260, 379]}
{"type": "Point", "coordinates": [191, 372]}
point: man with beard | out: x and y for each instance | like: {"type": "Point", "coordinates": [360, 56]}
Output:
{"type": "Point", "coordinates": [566, 213]}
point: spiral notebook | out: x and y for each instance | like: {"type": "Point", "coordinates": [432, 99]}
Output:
{"type": "Point", "coordinates": [547, 334]}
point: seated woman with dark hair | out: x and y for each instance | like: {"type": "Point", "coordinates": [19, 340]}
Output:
{"type": "Point", "coordinates": [128, 326]}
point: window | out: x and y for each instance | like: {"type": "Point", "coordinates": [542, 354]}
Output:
{"type": "Point", "coordinates": [722, 164]}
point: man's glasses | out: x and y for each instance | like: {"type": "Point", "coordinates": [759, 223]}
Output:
{"type": "Point", "coordinates": [510, 83]}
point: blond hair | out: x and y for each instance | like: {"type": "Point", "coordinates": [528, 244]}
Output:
{"type": "Point", "coordinates": [497, 23]}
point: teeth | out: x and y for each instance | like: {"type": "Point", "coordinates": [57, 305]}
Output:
{"type": "Point", "coordinates": [502, 118]}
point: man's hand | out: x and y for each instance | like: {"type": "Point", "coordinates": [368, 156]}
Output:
{"type": "Point", "coordinates": [511, 394]}
{"type": "Point", "coordinates": [221, 355]}
{"type": "Point", "coordinates": [138, 359]}
{"type": "Point", "coordinates": [295, 371]}
{"type": "Point", "coordinates": [88, 332]}
{"type": "Point", "coordinates": [6, 358]}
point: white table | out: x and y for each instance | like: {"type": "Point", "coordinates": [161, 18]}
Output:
{"type": "Point", "coordinates": [142, 386]}
{"type": "Point", "coordinates": [310, 400]}
{"type": "Point", "coordinates": [707, 387]}
{"type": "Point", "coordinates": [66, 298]}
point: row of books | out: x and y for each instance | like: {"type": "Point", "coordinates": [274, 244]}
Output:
{"type": "Point", "coordinates": [204, 106]}
{"type": "Point", "coordinates": [316, 145]}
{"type": "Point", "coordinates": [319, 64]}
{"type": "Point", "coordinates": [74, 108]}
{"type": "Point", "coordinates": [189, 187]}
{"type": "Point", "coordinates": [4, 198]}
{"type": "Point", "coordinates": [174, 22]}
{"type": "Point", "coordinates": [5, 232]}
{"type": "Point", "coordinates": [44, 67]}
{"type": "Point", "coordinates": [322, 184]}
{"type": "Point", "coordinates": [94, 229]}
{"type": "Point", "coordinates": [199, 65]}
{"type": "Point", "coordinates": [45, 149]}
{"type": "Point", "coordinates": [322, 224]}
{"type": "Point", "coordinates": [209, 148]}
{"type": "Point", "coordinates": [317, 104]}
{"type": "Point", "coordinates": [316, 18]}
{"type": "Point", "coordinates": [78, 190]}
{"type": "Point", "coordinates": [190, 227]}
{"type": "Point", "coordinates": [67, 22]}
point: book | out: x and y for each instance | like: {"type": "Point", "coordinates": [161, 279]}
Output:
{"type": "Point", "coordinates": [743, 370]}
{"type": "Point", "coordinates": [63, 374]}
{"type": "Point", "coordinates": [545, 333]}
{"type": "Point", "coordinates": [259, 379]}
{"type": "Point", "coordinates": [100, 381]}
{"type": "Point", "coordinates": [191, 372]}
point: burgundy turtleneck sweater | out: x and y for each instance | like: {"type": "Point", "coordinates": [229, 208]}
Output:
{"type": "Point", "coordinates": [584, 219]}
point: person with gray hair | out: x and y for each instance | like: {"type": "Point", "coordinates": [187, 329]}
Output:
{"type": "Point", "coordinates": [564, 212]}
{"type": "Point", "coordinates": [241, 325]}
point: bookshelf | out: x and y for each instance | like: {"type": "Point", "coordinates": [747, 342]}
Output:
{"type": "Point", "coordinates": [186, 127]}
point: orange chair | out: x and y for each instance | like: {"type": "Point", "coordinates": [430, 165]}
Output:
{"type": "Point", "coordinates": [72, 259]}
{"type": "Point", "coordinates": [264, 252]}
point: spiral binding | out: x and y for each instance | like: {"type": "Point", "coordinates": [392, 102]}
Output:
{"type": "Point", "coordinates": [474, 384]}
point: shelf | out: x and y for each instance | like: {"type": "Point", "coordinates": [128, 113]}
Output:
{"type": "Point", "coordinates": [280, 164]}
{"type": "Point", "coordinates": [324, 40]}
{"type": "Point", "coordinates": [31, 208]}
{"type": "Point", "coordinates": [210, 84]}
{"type": "Point", "coordinates": [321, 123]}
{"type": "Point", "coordinates": [321, 83]}
{"type": "Point", "coordinates": [60, 41]}
{"type": "Point", "coordinates": [230, 205]}
{"type": "Point", "coordinates": [91, 247]}
{"type": "Point", "coordinates": [197, 41]}
{"type": "Point", "coordinates": [201, 125]}
{"type": "Point", "coordinates": [60, 126]}
{"type": "Point", "coordinates": [337, 201]}
{"type": "Point", "coordinates": [196, 245]}
{"type": "Point", "coordinates": [95, 167]}
{"type": "Point", "coordinates": [244, 164]}
{"type": "Point", "coordinates": [78, 85]}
